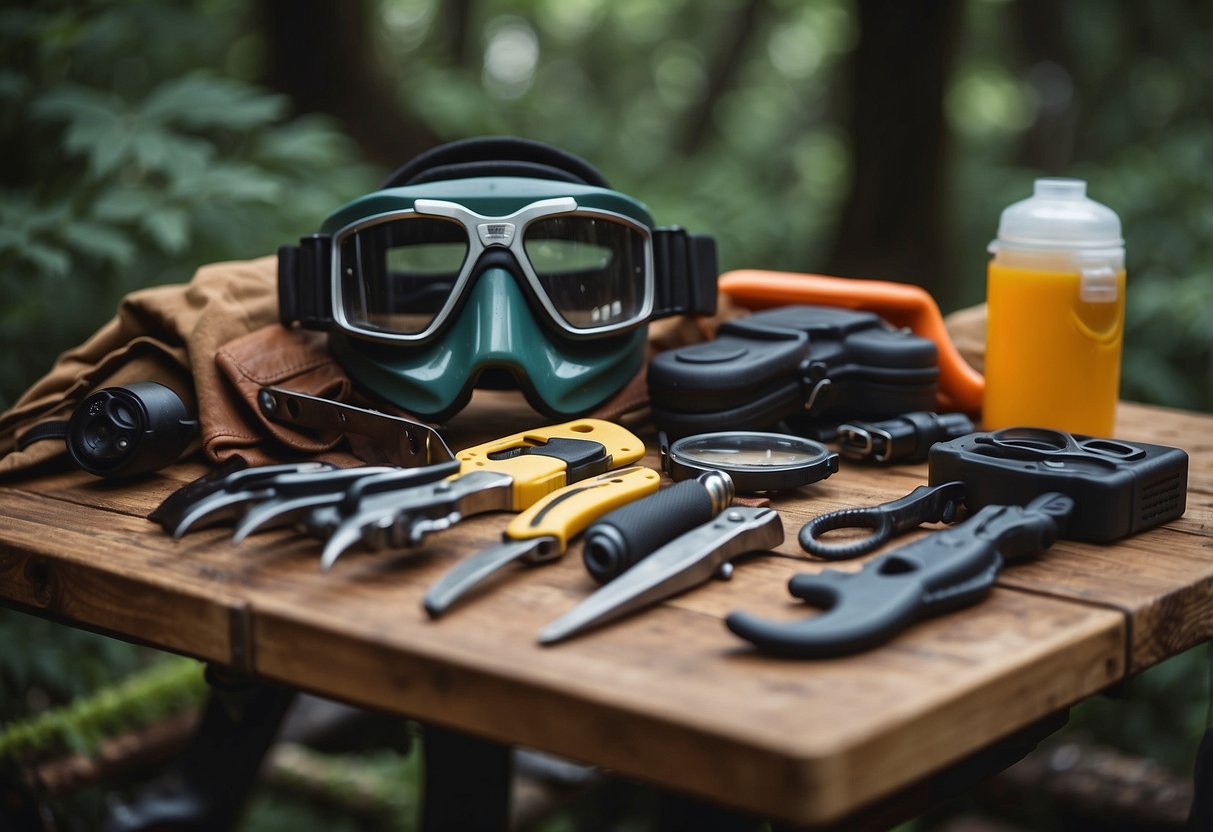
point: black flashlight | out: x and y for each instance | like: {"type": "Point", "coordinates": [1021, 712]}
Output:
{"type": "Point", "coordinates": [129, 430]}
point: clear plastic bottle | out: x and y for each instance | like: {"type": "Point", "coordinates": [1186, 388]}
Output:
{"type": "Point", "coordinates": [1056, 298]}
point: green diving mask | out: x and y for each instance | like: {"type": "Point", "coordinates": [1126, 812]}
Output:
{"type": "Point", "coordinates": [493, 262]}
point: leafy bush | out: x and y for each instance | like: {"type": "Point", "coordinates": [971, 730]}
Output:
{"type": "Point", "coordinates": [130, 163]}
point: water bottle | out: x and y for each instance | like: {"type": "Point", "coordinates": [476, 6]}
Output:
{"type": "Point", "coordinates": [1056, 297]}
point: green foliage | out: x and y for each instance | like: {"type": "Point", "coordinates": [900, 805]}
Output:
{"type": "Point", "coordinates": [620, 83]}
{"type": "Point", "coordinates": [1169, 231]}
{"type": "Point", "coordinates": [270, 811]}
{"type": "Point", "coordinates": [52, 664]}
{"type": "Point", "coordinates": [374, 790]}
{"type": "Point", "coordinates": [167, 687]}
{"type": "Point", "coordinates": [129, 165]}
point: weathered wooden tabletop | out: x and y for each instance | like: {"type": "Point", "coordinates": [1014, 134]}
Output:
{"type": "Point", "coordinates": [668, 696]}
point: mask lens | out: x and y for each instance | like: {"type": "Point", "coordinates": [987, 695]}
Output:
{"type": "Point", "coordinates": [592, 269]}
{"type": "Point", "coordinates": [396, 276]}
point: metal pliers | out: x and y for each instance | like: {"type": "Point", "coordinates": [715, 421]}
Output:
{"type": "Point", "coordinates": [271, 495]}
{"type": "Point", "coordinates": [507, 474]}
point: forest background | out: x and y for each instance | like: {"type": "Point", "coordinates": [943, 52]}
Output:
{"type": "Point", "coordinates": [141, 139]}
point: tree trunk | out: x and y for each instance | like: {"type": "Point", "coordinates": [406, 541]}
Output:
{"type": "Point", "coordinates": [322, 55]}
{"type": "Point", "coordinates": [891, 225]}
{"type": "Point", "coordinates": [726, 62]}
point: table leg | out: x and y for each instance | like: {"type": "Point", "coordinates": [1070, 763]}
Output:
{"type": "Point", "coordinates": [1201, 815]}
{"type": "Point", "coordinates": [467, 781]}
{"type": "Point", "coordinates": [210, 781]}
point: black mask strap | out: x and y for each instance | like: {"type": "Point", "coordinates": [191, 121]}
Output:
{"type": "Point", "coordinates": [686, 271]}
{"type": "Point", "coordinates": [304, 282]}
{"type": "Point", "coordinates": [496, 156]}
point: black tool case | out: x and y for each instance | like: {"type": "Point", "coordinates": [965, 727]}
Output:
{"type": "Point", "coordinates": [1119, 488]}
{"type": "Point", "coordinates": [811, 367]}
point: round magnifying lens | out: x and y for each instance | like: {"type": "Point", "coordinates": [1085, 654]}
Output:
{"type": "Point", "coordinates": [756, 461]}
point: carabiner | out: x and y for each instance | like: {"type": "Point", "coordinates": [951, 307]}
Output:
{"type": "Point", "coordinates": [925, 504]}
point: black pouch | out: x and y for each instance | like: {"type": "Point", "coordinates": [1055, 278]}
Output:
{"type": "Point", "coordinates": [809, 366]}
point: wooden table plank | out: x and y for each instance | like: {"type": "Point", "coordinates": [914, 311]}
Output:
{"type": "Point", "coordinates": [112, 572]}
{"type": "Point", "coordinates": [671, 696]}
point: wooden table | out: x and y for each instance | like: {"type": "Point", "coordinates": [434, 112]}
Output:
{"type": "Point", "coordinates": [670, 696]}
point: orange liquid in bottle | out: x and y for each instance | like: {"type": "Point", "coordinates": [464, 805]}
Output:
{"type": "Point", "coordinates": [1052, 359]}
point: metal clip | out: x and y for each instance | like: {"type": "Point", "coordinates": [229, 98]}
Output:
{"type": "Point", "coordinates": [925, 504]}
{"type": "Point", "coordinates": [393, 440]}
{"type": "Point", "coordinates": [905, 438]}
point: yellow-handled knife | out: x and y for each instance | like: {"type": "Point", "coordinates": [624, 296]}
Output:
{"type": "Point", "coordinates": [542, 532]}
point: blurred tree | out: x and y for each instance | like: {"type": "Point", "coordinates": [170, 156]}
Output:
{"type": "Point", "coordinates": [743, 25]}
{"type": "Point", "coordinates": [321, 54]}
{"type": "Point", "coordinates": [891, 225]}
{"type": "Point", "coordinates": [1048, 143]}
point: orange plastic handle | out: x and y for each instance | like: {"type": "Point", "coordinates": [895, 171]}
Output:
{"type": "Point", "coordinates": [901, 304]}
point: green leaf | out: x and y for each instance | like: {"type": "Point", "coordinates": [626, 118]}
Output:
{"type": "Point", "coordinates": [307, 142]}
{"type": "Point", "coordinates": [76, 104]}
{"type": "Point", "coordinates": [125, 204]}
{"type": "Point", "coordinates": [169, 227]}
{"type": "Point", "coordinates": [101, 241]}
{"type": "Point", "coordinates": [229, 182]}
{"type": "Point", "coordinates": [13, 238]}
{"type": "Point", "coordinates": [199, 101]}
{"type": "Point", "coordinates": [157, 150]}
{"type": "Point", "coordinates": [51, 261]}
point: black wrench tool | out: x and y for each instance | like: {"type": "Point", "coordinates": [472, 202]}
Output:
{"type": "Point", "coordinates": [1077, 487]}
{"type": "Point", "coordinates": [939, 572]}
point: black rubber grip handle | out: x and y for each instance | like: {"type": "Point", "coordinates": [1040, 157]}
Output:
{"type": "Point", "coordinates": [620, 539]}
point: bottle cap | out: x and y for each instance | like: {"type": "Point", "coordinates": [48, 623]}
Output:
{"type": "Point", "coordinates": [1059, 214]}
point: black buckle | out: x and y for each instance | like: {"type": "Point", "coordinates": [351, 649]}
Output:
{"type": "Point", "coordinates": [904, 438]}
